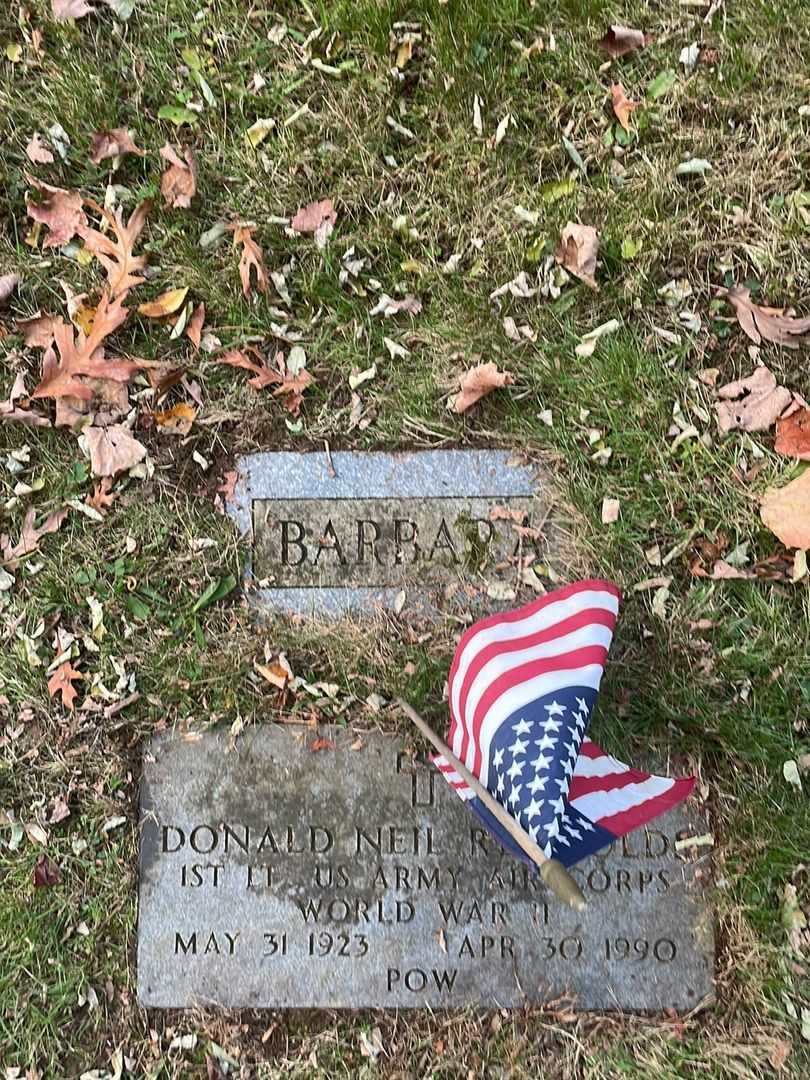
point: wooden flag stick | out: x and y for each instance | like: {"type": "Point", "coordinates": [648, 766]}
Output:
{"type": "Point", "coordinates": [552, 872]}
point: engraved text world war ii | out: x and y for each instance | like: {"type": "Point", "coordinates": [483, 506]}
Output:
{"type": "Point", "coordinates": [358, 531]}
{"type": "Point", "coordinates": [272, 875]}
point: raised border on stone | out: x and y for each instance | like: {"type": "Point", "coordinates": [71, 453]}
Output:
{"type": "Point", "coordinates": [366, 474]}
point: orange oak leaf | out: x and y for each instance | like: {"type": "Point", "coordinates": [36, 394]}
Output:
{"type": "Point", "coordinates": [194, 326]}
{"type": "Point", "coordinates": [478, 381]}
{"type": "Point", "coordinates": [115, 252]}
{"type": "Point", "coordinates": [38, 150]}
{"type": "Point", "coordinates": [577, 251]}
{"type": "Point", "coordinates": [10, 410]}
{"type": "Point", "coordinates": [793, 435]}
{"type": "Point", "coordinates": [61, 682]}
{"type": "Point", "coordinates": [178, 185]}
{"type": "Point", "coordinates": [252, 258]}
{"type": "Point", "coordinates": [30, 536]}
{"type": "Point", "coordinates": [786, 512]}
{"type": "Point", "coordinates": [765, 322]}
{"type": "Point", "coordinates": [263, 374]}
{"type": "Point", "coordinates": [84, 355]}
{"type": "Point", "coordinates": [115, 143]}
{"type": "Point", "coordinates": [59, 209]}
{"type": "Point", "coordinates": [622, 105]}
{"type": "Point", "coordinates": [621, 40]}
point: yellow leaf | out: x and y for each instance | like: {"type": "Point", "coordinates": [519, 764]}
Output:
{"type": "Point", "coordinates": [84, 257]}
{"type": "Point", "coordinates": [165, 304]}
{"type": "Point", "coordinates": [411, 266]}
{"type": "Point", "coordinates": [14, 52]}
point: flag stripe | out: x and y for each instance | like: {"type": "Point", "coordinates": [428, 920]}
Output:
{"type": "Point", "coordinates": [496, 698]}
{"type": "Point", "coordinates": [584, 785]}
{"type": "Point", "coordinates": [636, 816]}
{"type": "Point", "coordinates": [602, 804]}
{"type": "Point", "coordinates": [513, 657]}
{"type": "Point", "coordinates": [544, 612]}
{"type": "Point", "coordinates": [484, 662]}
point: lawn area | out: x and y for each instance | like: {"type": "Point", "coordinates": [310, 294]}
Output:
{"type": "Point", "coordinates": [455, 142]}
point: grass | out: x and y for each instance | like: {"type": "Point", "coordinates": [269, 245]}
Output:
{"type": "Point", "coordinates": [733, 697]}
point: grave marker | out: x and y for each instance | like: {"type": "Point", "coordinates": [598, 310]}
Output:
{"type": "Point", "coordinates": [272, 876]}
{"type": "Point", "coordinates": [357, 531]}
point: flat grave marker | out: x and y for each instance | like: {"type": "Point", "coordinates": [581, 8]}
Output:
{"type": "Point", "coordinates": [274, 876]}
{"type": "Point", "coordinates": [362, 531]}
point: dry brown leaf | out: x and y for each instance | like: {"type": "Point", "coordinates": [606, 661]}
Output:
{"type": "Point", "coordinates": [292, 388]}
{"type": "Point", "coordinates": [84, 355]}
{"type": "Point", "coordinates": [46, 872]}
{"type": "Point", "coordinates": [763, 322]}
{"type": "Point", "coordinates": [786, 512]}
{"type": "Point", "coordinates": [577, 252]}
{"type": "Point", "coordinates": [318, 218]}
{"type": "Point", "coordinates": [793, 435]}
{"type": "Point", "coordinates": [30, 536]}
{"type": "Point", "coordinates": [621, 40]}
{"type": "Point", "coordinates": [38, 150]}
{"type": "Point", "coordinates": [165, 304]}
{"type": "Point", "coordinates": [263, 374]}
{"type": "Point", "coordinates": [70, 9]}
{"type": "Point", "coordinates": [115, 143]}
{"type": "Point", "coordinates": [194, 327]}
{"type": "Point", "coordinates": [178, 185]}
{"type": "Point", "coordinates": [61, 682]}
{"type": "Point", "coordinates": [10, 410]}
{"type": "Point", "coordinates": [116, 255]}
{"type": "Point", "coordinates": [252, 258]}
{"type": "Point", "coordinates": [723, 571]}
{"type": "Point", "coordinates": [622, 105]}
{"type": "Point", "coordinates": [38, 332]}
{"type": "Point", "coordinates": [753, 403]}
{"type": "Point", "coordinates": [59, 209]}
{"type": "Point", "coordinates": [321, 744]}
{"type": "Point", "coordinates": [112, 449]}
{"type": "Point", "coordinates": [478, 381]}
{"type": "Point", "coordinates": [177, 420]}
{"type": "Point", "coordinates": [102, 497]}
{"type": "Point", "coordinates": [8, 283]}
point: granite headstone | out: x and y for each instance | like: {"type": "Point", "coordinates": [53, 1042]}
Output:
{"type": "Point", "coordinates": [353, 531]}
{"type": "Point", "coordinates": [272, 875]}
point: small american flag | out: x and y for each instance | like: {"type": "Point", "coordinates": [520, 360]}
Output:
{"type": "Point", "coordinates": [522, 689]}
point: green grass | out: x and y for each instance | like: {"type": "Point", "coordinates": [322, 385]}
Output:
{"type": "Point", "coordinates": [732, 699]}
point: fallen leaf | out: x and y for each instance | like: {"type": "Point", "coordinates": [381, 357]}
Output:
{"type": "Point", "coordinates": [258, 131]}
{"type": "Point", "coordinates": [38, 150]}
{"type": "Point", "coordinates": [264, 375]}
{"type": "Point", "coordinates": [102, 497]}
{"type": "Point", "coordinates": [46, 872]}
{"type": "Point", "coordinates": [38, 332]}
{"type": "Point", "coordinates": [610, 511]}
{"type": "Point", "coordinates": [61, 210]}
{"type": "Point", "coordinates": [764, 322]}
{"type": "Point", "coordinates": [195, 326]}
{"type": "Point", "coordinates": [724, 571]}
{"type": "Point", "coordinates": [8, 283]}
{"type": "Point", "coordinates": [786, 512]}
{"type": "Point", "coordinates": [790, 771]}
{"type": "Point", "coordinates": [61, 682]}
{"type": "Point", "coordinates": [318, 218]}
{"type": "Point", "coordinates": [252, 258]}
{"type": "Point", "coordinates": [165, 304]}
{"type": "Point", "coordinates": [10, 410]}
{"type": "Point", "coordinates": [112, 449]}
{"type": "Point", "coordinates": [30, 536]}
{"type": "Point", "coordinates": [386, 306]}
{"type": "Point", "coordinates": [693, 167]}
{"type": "Point", "coordinates": [588, 342]}
{"type": "Point", "coordinates": [115, 143]}
{"type": "Point", "coordinates": [621, 40]}
{"type": "Point", "coordinates": [321, 744]}
{"type": "Point", "coordinates": [178, 184]}
{"type": "Point", "coordinates": [476, 383]}
{"type": "Point", "coordinates": [753, 403]}
{"type": "Point", "coordinates": [177, 420]}
{"type": "Point", "coordinates": [70, 9]}
{"type": "Point", "coordinates": [622, 105]}
{"type": "Point", "coordinates": [84, 355]}
{"type": "Point", "coordinates": [116, 255]}
{"type": "Point", "coordinates": [577, 251]}
{"type": "Point", "coordinates": [793, 435]}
